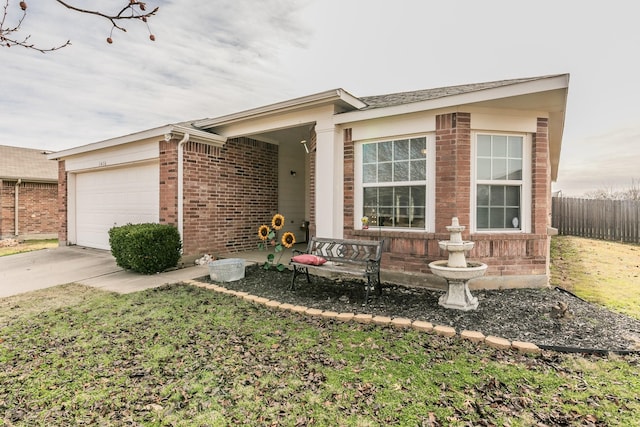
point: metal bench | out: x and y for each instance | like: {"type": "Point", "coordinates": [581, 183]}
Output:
{"type": "Point", "coordinates": [352, 257]}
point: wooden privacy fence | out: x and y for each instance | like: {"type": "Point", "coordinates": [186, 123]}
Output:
{"type": "Point", "coordinates": [616, 220]}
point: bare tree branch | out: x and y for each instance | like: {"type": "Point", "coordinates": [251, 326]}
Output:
{"type": "Point", "coordinates": [132, 10]}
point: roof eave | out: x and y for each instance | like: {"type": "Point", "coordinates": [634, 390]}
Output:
{"type": "Point", "coordinates": [29, 179]}
{"type": "Point", "coordinates": [166, 132]}
{"type": "Point", "coordinates": [560, 81]}
{"type": "Point", "coordinates": [199, 136]}
{"type": "Point", "coordinates": [343, 99]}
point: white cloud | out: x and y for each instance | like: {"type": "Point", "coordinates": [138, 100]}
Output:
{"type": "Point", "coordinates": [219, 57]}
{"type": "Point", "coordinates": [208, 59]}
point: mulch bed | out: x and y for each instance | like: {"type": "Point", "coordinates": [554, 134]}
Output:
{"type": "Point", "coordinates": [513, 314]}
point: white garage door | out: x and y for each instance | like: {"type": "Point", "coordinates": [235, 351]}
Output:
{"type": "Point", "coordinates": [113, 197]}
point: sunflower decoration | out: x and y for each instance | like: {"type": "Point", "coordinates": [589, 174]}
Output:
{"type": "Point", "coordinates": [288, 239]}
{"type": "Point", "coordinates": [277, 222]}
{"type": "Point", "coordinates": [263, 232]}
{"type": "Point", "coordinates": [269, 237]}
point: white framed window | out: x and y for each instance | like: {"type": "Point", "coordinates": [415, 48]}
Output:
{"type": "Point", "coordinates": [501, 189]}
{"type": "Point", "coordinates": [394, 183]}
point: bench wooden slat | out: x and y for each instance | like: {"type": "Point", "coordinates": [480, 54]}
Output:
{"type": "Point", "coordinates": [355, 257]}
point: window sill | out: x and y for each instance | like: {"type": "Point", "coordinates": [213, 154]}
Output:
{"type": "Point", "coordinates": [394, 233]}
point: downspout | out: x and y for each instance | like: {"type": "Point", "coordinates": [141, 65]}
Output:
{"type": "Point", "coordinates": [184, 140]}
{"type": "Point", "coordinates": [16, 202]}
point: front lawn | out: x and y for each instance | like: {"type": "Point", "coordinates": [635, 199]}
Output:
{"type": "Point", "coordinates": [182, 355]}
{"type": "Point", "coordinates": [607, 273]}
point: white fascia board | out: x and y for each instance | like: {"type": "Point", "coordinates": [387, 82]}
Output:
{"type": "Point", "coordinates": [534, 86]}
{"type": "Point", "coordinates": [107, 143]}
{"type": "Point", "coordinates": [199, 136]}
{"type": "Point", "coordinates": [160, 132]}
{"type": "Point", "coordinates": [285, 106]}
{"type": "Point", "coordinates": [28, 179]}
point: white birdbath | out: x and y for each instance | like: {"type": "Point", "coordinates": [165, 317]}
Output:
{"type": "Point", "coordinates": [457, 270]}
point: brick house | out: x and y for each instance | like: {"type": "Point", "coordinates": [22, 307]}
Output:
{"type": "Point", "coordinates": [486, 153]}
{"type": "Point", "coordinates": [28, 194]}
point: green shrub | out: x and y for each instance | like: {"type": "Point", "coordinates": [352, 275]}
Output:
{"type": "Point", "coordinates": [145, 248]}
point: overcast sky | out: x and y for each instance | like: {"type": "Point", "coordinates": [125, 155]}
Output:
{"type": "Point", "coordinates": [220, 57]}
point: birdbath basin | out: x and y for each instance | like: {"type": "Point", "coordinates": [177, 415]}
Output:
{"type": "Point", "coordinates": [473, 270]}
{"type": "Point", "coordinates": [457, 271]}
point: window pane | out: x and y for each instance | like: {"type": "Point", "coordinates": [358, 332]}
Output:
{"type": "Point", "coordinates": [418, 148]}
{"type": "Point", "coordinates": [369, 153]}
{"type": "Point", "coordinates": [385, 219]}
{"type": "Point", "coordinates": [499, 169]}
{"type": "Point", "coordinates": [402, 194]}
{"type": "Point", "coordinates": [370, 197]}
{"type": "Point", "coordinates": [385, 196]}
{"type": "Point", "coordinates": [401, 171]}
{"type": "Point", "coordinates": [496, 218]}
{"type": "Point", "coordinates": [384, 172]}
{"type": "Point", "coordinates": [417, 218]}
{"type": "Point", "coordinates": [401, 150]}
{"type": "Point", "coordinates": [513, 218]}
{"type": "Point", "coordinates": [369, 173]}
{"type": "Point", "coordinates": [482, 218]}
{"type": "Point", "coordinates": [418, 170]}
{"type": "Point", "coordinates": [385, 151]}
{"type": "Point", "coordinates": [515, 147]}
{"type": "Point", "coordinates": [499, 146]}
{"type": "Point", "coordinates": [497, 195]}
{"type": "Point", "coordinates": [482, 197]}
{"type": "Point", "coordinates": [484, 169]}
{"type": "Point", "coordinates": [418, 196]}
{"type": "Point", "coordinates": [484, 145]}
{"type": "Point", "coordinates": [512, 196]}
{"type": "Point", "coordinates": [402, 207]}
{"type": "Point", "coordinates": [515, 169]}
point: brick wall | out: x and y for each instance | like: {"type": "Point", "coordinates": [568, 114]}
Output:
{"type": "Point", "coordinates": [168, 164]}
{"type": "Point", "coordinates": [37, 208]}
{"type": "Point", "coordinates": [505, 254]}
{"type": "Point", "coordinates": [541, 178]}
{"type": "Point", "coordinates": [228, 193]}
{"type": "Point", "coordinates": [453, 169]}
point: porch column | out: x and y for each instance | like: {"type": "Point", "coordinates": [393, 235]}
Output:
{"type": "Point", "coordinates": [329, 181]}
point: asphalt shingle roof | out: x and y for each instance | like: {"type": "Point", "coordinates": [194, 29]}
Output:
{"type": "Point", "coordinates": [392, 99]}
{"type": "Point", "coordinates": [26, 163]}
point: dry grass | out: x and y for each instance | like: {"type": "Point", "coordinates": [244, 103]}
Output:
{"type": "Point", "coordinates": [32, 303]}
{"type": "Point", "coordinates": [27, 246]}
{"type": "Point", "coordinates": [182, 356]}
{"type": "Point", "coordinates": [606, 273]}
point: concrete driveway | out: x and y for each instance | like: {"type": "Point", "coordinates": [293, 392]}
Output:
{"type": "Point", "coordinates": [30, 271]}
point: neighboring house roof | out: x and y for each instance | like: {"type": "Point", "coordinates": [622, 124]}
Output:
{"type": "Point", "coordinates": [27, 164]}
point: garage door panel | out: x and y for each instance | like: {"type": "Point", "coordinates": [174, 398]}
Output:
{"type": "Point", "coordinates": [114, 197]}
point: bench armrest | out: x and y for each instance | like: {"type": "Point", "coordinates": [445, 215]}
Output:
{"type": "Point", "coordinates": [295, 252]}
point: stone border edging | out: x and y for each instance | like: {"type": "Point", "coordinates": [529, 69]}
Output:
{"type": "Point", "coordinates": [397, 322]}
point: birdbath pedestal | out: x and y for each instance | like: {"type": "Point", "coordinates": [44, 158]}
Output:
{"type": "Point", "coordinates": [457, 271]}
